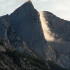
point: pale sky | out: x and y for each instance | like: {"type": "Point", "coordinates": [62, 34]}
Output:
{"type": "Point", "coordinates": [61, 8]}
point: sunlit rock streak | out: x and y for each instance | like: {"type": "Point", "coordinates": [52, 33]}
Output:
{"type": "Point", "coordinates": [46, 30]}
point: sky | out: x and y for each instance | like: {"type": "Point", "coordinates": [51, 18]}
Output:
{"type": "Point", "coordinates": [60, 8]}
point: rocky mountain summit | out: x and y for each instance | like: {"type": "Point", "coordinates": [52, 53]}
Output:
{"type": "Point", "coordinates": [31, 36]}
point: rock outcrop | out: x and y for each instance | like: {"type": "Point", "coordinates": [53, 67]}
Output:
{"type": "Point", "coordinates": [57, 34]}
{"type": "Point", "coordinates": [28, 27]}
{"type": "Point", "coordinates": [36, 33]}
{"type": "Point", "coordinates": [4, 24]}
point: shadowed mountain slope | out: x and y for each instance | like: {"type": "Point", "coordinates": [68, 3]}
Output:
{"type": "Point", "coordinates": [26, 23]}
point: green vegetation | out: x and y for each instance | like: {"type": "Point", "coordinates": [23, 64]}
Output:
{"type": "Point", "coordinates": [36, 62]}
{"type": "Point", "coordinates": [12, 60]}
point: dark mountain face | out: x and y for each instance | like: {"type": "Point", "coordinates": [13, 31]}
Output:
{"type": "Point", "coordinates": [4, 24]}
{"type": "Point", "coordinates": [26, 23]}
{"type": "Point", "coordinates": [40, 34]}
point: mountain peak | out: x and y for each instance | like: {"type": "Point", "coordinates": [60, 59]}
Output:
{"type": "Point", "coordinates": [28, 3]}
{"type": "Point", "coordinates": [25, 7]}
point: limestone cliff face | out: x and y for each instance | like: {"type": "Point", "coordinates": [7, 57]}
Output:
{"type": "Point", "coordinates": [27, 30]}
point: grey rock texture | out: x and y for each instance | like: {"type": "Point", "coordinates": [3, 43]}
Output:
{"type": "Point", "coordinates": [28, 27]}
{"type": "Point", "coordinates": [42, 34]}
{"type": "Point", "coordinates": [61, 43]}
{"type": "Point", "coordinates": [4, 24]}
{"type": "Point", "coordinates": [60, 27]}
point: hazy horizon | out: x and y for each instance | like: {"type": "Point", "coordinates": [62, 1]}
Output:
{"type": "Point", "coordinates": [59, 7]}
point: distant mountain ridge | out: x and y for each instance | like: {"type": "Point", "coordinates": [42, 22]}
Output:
{"type": "Point", "coordinates": [27, 30]}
